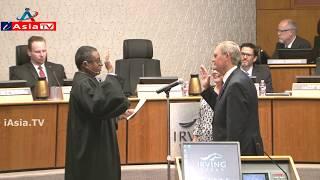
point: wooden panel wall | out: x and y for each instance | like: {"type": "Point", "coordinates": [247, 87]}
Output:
{"type": "Point", "coordinates": [265, 120]}
{"type": "Point", "coordinates": [26, 144]}
{"type": "Point", "coordinates": [147, 134]}
{"type": "Point", "coordinates": [269, 14]}
{"type": "Point", "coordinates": [295, 128]}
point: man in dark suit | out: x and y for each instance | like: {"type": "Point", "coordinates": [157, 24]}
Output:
{"type": "Point", "coordinates": [38, 66]}
{"type": "Point", "coordinates": [249, 55]}
{"type": "Point", "coordinates": [287, 35]}
{"type": "Point", "coordinates": [236, 107]}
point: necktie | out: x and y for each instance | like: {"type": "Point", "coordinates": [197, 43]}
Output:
{"type": "Point", "coordinates": [221, 90]}
{"type": "Point", "coordinates": [41, 72]}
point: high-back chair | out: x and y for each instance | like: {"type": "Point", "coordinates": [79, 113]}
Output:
{"type": "Point", "coordinates": [137, 62]}
{"type": "Point", "coordinates": [22, 54]}
{"type": "Point", "coordinates": [21, 58]}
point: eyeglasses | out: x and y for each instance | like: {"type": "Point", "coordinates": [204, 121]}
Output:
{"type": "Point", "coordinates": [99, 62]}
{"type": "Point", "coordinates": [283, 30]}
{"type": "Point", "coordinates": [246, 54]}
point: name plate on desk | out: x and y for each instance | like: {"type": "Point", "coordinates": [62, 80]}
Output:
{"type": "Point", "coordinates": [15, 94]}
{"type": "Point", "coordinates": [66, 89]}
{"type": "Point", "coordinates": [287, 61]}
{"type": "Point", "coordinates": [306, 89]}
{"type": "Point", "coordinates": [15, 91]}
{"type": "Point", "coordinates": [66, 92]}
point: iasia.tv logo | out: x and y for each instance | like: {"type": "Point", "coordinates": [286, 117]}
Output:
{"type": "Point", "coordinates": [27, 23]}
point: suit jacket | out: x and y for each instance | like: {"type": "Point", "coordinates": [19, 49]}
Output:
{"type": "Point", "coordinates": [28, 72]}
{"type": "Point", "coordinates": [263, 72]}
{"type": "Point", "coordinates": [236, 113]}
{"type": "Point", "coordinates": [298, 43]}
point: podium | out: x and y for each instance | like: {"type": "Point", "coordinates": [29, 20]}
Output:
{"type": "Point", "coordinates": [253, 165]}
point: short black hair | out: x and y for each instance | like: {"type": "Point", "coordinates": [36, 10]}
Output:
{"type": "Point", "coordinates": [252, 46]}
{"type": "Point", "coordinates": [84, 53]}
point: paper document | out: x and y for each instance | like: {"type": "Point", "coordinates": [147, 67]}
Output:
{"type": "Point", "coordinates": [137, 108]}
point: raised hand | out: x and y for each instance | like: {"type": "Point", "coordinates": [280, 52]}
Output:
{"type": "Point", "coordinates": [107, 62]}
{"type": "Point", "coordinates": [204, 77]}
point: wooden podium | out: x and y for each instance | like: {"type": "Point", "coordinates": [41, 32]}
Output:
{"type": "Point", "coordinates": [261, 165]}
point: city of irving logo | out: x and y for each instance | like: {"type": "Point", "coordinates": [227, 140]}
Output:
{"type": "Point", "coordinates": [213, 162]}
{"type": "Point", "coordinates": [27, 23]}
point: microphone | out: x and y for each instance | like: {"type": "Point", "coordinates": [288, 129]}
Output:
{"type": "Point", "coordinates": [169, 86]}
{"type": "Point", "coordinates": [56, 79]}
{"type": "Point", "coordinates": [258, 146]}
{"type": "Point", "coordinates": [94, 72]}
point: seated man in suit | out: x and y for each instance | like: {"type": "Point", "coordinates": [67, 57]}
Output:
{"type": "Point", "coordinates": [38, 66]}
{"type": "Point", "coordinates": [287, 35]}
{"type": "Point", "coordinates": [249, 55]}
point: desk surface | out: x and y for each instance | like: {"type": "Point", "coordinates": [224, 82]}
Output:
{"type": "Point", "coordinates": [135, 99]}
{"type": "Point", "coordinates": [293, 66]}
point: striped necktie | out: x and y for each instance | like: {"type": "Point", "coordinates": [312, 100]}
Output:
{"type": "Point", "coordinates": [41, 72]}
{"type": "Point", "coordinates": [221, 90]}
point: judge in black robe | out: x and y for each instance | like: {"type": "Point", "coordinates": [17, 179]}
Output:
{"type": "Point", "coordinates": [92, 148]}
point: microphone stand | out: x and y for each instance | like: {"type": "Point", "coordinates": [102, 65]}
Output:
{"type": "Point", "coordinates": [168, 133]}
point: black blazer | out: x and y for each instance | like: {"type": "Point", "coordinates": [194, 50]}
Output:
{"type": "Point", "coordinates": [28, 72]}
{"type": "Point", "coordinates": [236, 113]}
{"type": "Point", "coordinates": [298, 43]}
{"type": "Point", "coordinates": [263, 72]}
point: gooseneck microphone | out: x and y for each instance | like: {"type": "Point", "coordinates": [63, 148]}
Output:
{"type": "Point", "coordinates": [56, 79]}
{"type": "Point", "coordinates": [272, 160]}
{"type": "Point", "coordinates": [169, 86]}
{"type": "Point", "coordinates": [95, 72]}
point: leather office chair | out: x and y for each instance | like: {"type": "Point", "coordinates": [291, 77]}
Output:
{"type": "Point", "coordinates": [262, 56]}
{"type": "Point", "coordinates": [137, 62]}
{"type": "Point", "coordinates": [22, 54]}
{"type": "Point", "coordinates": [21, 58]}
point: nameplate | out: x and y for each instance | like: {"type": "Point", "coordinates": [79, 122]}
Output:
{"type": "Point", "coordinates": [306, 89]}
{"type": "Point", "coordinates": [66, 89]}
{"type": "Point", "coordinates": [15, 91]}
{"type": "Point", "coordinates": [287, 61]}
{"type": "Point", "coordinates": [13, 95]}
{"type": "Point", "coordinates": [306, 86]}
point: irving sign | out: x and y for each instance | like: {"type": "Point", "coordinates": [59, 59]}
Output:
{"type": "Point", "coordinates": [182, 120]}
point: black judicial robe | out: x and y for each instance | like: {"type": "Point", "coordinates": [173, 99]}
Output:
{"type": "Point", "coordinates": [92, 147]}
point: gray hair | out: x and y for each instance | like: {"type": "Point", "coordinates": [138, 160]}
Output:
{"type": "Point", "coordinates": [292, 25]}
{"type": "Point", "coordinates": [231, 48]}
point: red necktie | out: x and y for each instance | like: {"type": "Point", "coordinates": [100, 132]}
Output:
{"type": "Point", "coordinates": [41, 72]}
